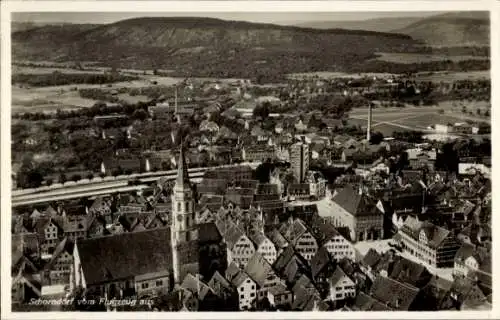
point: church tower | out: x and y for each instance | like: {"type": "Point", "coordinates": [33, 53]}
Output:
{"type": "Point", "coordinates": [183, 226]}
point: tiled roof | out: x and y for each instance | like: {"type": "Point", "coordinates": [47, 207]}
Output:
{"type": "Point", "coordinates": [219, 284]}
{"type": "Point", "coordinates": [371, 258]}
{"type": "Point", "coordinates": [195, 286]}
{"type": "Point", "coordinates": [336, 276]}
{"type": "Point", "coordinates": [65, 245]}
{"type": "Point", "coordinates": [365, 302]}
{"type": "Point", "coordinates": [465, 251]}
{"type": "Point", "coordinates": [209, 233]}
{"type": "Point", "coordinates": [258, 269]}
{"type": "Point", "coordinates": [229, 231]}
{"type": "Point", "coordinates": [320, 260]}
{"type": "Point", "coordinates": [355, 203]}
{"type": "Point", "coordinates": [239, 278]}
{"type": "Point", "coordinates": [125, 255]}
{"type": "Point", "coordinates": [396, 295]}
{"type": "Point", "coordinates": [293, 231]}
{"type": "Point", "coordinates": [410, 272]}
{"type": "Point", "coordinates": [277, 239]}
{"type": "Point", "coordinates": [257, 238]}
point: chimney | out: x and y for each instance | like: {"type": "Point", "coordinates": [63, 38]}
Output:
{"type": "Point", "coordinates": [369, 127]}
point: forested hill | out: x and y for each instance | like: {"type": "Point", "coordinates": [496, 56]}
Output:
{"type": "Point", "coordinates": [207, 47]}
{"type": "Point", "coordinates": [452, 29]}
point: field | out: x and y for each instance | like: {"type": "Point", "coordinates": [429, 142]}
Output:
{"type": "Point", "coordinates": [389, 120]}
{"type": "Point", "coordinates": [446, 76]}
{"type": "Point", "coordinates": [332, 75]}
{"type": "Point", "coordinates": [49, 70]}
{"type": "Point", "coordinates": [47, 99]}
{"type": "Point", "coordinates": [422, 58]}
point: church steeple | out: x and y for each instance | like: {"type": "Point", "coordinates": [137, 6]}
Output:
{"type": "Point", "coordinates": [183, 224]}
{"type": "Point", "coordinates": [182, 170]}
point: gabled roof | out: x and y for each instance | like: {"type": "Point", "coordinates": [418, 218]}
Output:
{"type": "Point", "coordinates": [356, 203]}
{"type": "Point", "coordinates": [336, 276]}
{"type": "Point", "coordinates": [65, 245]}
{"type": "Point", "coordinates": [125, 255]}
{"type": "Point", "coordinates": [208, 233]}
{"type": "Point", "coordinates": [304, 300]}
{"type": "Point", "coordinates": [293, 231]}
{"type": "Point", "coordinates": [372, 257]}
{"type": "Point", "coordinates": [465, 251]}
{"type": "Point", "coordinates": [365, 302]}
{"type": "Point", "coordinates": [410, 272]}
{"type": "Point", "coordinates": [257, 238]}
{"type": "Point", "coordinates": [396, 295]}
{"type": "Point", "coordinates": [304, 282]}
{"type": "Point", "coordinates": [277, 239]}
{"type": "Point", "coordinates": [195, 286]}
{"type": "Point", "coordinates": [219, 284]}
{"type": "Point", "coordinates": [230, 232]}
{"type": "Point", "coordinates": [240, 278]}
{"type": "Point", "coordinates": [320, 261]}
{"type": "Point", "coordinates": [258, 269]}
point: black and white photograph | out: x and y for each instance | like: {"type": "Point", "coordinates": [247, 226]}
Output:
{"type": "Point", "coordinates": [250, 161]}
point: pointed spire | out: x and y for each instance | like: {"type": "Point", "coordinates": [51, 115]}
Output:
{"type": "Point", "coordinates": [182, 170]}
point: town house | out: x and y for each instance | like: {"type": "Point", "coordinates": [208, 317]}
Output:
{"type": "Point", "coordinates": [429, 243]}
{"type": "Point", "coordinates": [300, 237]}
{"type": "Point", "coordinates": [245, 287]}
{"type": "Point", "coordinates": [341, 286]}
{"type": "Point", "coordinates": [262, 273]}
{"type": "Point", "coordinates": [239, 247]}
{"type": "Point", "coordinates": [58, 269]}
{"type": "Point", "coordinates": [357, 211]}
{"type": "Point", "coordinates": [264, 246]}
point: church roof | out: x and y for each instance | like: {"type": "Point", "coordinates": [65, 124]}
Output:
{"type": "Point", "coordinates": [131, 254]}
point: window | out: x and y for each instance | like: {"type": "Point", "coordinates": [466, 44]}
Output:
{"type": "Point", "coordinates": [338, 295]}
{"type": "Point", "coordinates": [252, 294]}
{"type": "Point", "coordinates": [179, 206]}
{"type": "Point", "coordinates": [242, 296]}
{"type": "Point", "coordinates": [248, 281]}
{"type": "Point", "coordinates": [253, 287]}
{"type": "Point", "coordinates": [145, 285]}
{"type": "Point", "coordinates": [159, 283]}
{"type": "Point", "coordinates": [242, 289]}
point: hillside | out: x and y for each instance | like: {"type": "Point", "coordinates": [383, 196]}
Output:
{"type": "Point", "coordinates": [207, 47]}
{"type": "Point", "coordinates": [379, 24]}
{"type": "Point", "coordinates": [451, 29]}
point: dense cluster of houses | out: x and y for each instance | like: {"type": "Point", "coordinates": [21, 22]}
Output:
{"type": "Point", "coordinates": [234, 243]}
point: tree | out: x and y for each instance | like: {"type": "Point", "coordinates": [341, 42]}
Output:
{"type": "Point", "coordinates": [140, 114]}
{"type": "Point", "coordinates": [478, 112]}
{"type": "Point", "coordinates": [62, 178]}
{"type": "Point", "coordinates": [76, 177]}
{"type": "Point", "coordinates": [116, 172]}
{"type": "Point", "coordinates": [487, 113]}
{"type": "Point", "coordinates": [261, 111]}
{"type": "Point", "coordinates": [376, 138]}
{"type": "Point", "coordinates": [48, 182]}
{"type": "Point", "coordinates": [90, 176]}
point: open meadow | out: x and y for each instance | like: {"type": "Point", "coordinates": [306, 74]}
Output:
{"type": "Point", "coordinates": [422, 58]}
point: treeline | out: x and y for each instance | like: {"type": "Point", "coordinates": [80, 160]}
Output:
{"type": "Point", "coordinates": [57, 78]}
{"type": "Point", "coordinates": [379, 66]}
{"type": "Point", "coordinates": [478, 51]}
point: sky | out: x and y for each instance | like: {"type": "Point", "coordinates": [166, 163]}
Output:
{"type": "Point", "coordinates": [271, 17]}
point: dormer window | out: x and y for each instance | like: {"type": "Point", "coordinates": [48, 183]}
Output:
{"type": "Point", "coordinates": [422, 237]}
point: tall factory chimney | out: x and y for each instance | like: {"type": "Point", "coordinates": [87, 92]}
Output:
{"type": "Point", "coordinates": [369, 127]}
